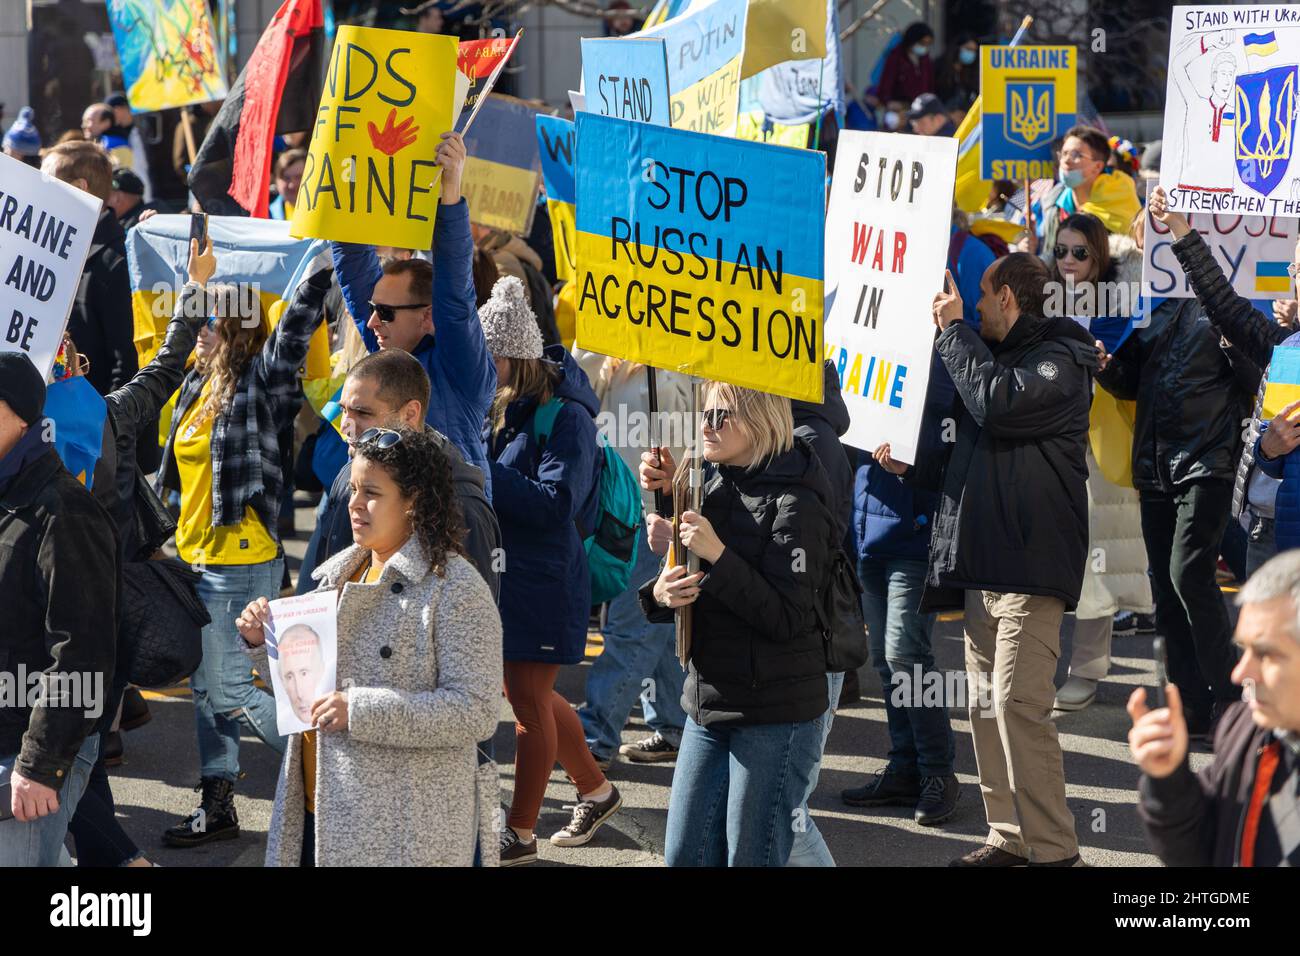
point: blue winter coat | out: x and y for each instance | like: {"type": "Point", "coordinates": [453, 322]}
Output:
{"type": "Point", "coordinates": [892, 516]}
{"type": "Point", "coordinates": [462, 372]}
{"type": "Point", "coordinates": [540, 497]}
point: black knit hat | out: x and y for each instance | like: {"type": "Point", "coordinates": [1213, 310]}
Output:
{"type": "Point", "coordinates": [21, 386]}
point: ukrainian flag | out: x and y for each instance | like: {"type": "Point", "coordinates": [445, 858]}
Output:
{"type": "Point", "coordinates": [1283, 381]}
{"type": "Point", "coordinates": [1272, 277]}
{"type": "Point", "coordinates": [1260, 44]}
{"type": "Point", "coordinates": [253, 254]}
{"type": "Point", "coordinates": [555, 144]}
{"type": "Point", "coordinates": [78, 413]}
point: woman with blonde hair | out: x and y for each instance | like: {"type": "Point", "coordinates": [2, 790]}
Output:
{"type": "Point", "coordinates": [223, 457]}
{"type": "Point", "coordinates": [756, 681]}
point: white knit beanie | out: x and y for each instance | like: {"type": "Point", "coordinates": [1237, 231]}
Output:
{"type": "Point", "coordinates": [509, 324]}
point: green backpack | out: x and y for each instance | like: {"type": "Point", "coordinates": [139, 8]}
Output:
{"type": "Point", "coordinates": [611, 548]}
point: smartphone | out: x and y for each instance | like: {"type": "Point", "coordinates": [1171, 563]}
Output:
{"type": "Point", "coordinates": [199, 228]}
{"type": "Point", "coordinates": [1162, 671]}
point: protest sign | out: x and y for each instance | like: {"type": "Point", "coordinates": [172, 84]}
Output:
{"type": "Point", "coordinates": [886, 248]}
{"type": "Point", "coordinates": [627, 78]}
{"type": "Point", "coordinates": [1029, 98]}
{"type": "Point", "coordinates": [778, 31]}
{"type": "Point", "coordinates": [481, 61]}
{"type": "Point", "coordinates": [502, 171]}
{"type": "Point", "coordinates": [555, 142]}
{"type": "Point", "coordinates": [45, 232]}
{"type": "Point", "coordinates": [1230, 110]}
{"type": "Point", "coordinates": [302, 648]}
{"type": "Point", "coordinates": [167, 53]}
{"type": "Point", "coordinates": [371, 174]}
{"type": "Point", "coordinates": [1283, 386]}
{"type": "Point", "coordinates": [701, 254]}
{"type": "Point", "coordinates": [1254, 252]}
{"type": "Point", "coordinates": [705, 47]}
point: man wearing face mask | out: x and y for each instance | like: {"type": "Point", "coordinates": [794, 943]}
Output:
{"type": "Point", "coordinates": [1086, 185]}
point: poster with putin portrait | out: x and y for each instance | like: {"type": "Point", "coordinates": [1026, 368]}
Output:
{"type": "Point", "coordinates": [302, 649]}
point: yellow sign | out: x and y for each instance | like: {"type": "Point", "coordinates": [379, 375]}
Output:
{"type": "Point", "coordinates": [371, 174]}
{"type": "Point", "coordinates": [1028, 98]}
{"type": "Point", "coordinates": [780, 30]}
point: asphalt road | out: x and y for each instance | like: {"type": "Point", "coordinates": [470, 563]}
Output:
{"type": "Point", "coordinates": [154, 785]}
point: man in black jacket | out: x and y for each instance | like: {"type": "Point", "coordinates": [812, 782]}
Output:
{"type": "Point", "coordinates": [388, 389]}
{"type": "Point", "coordinates": [59, 576]}
{"type": "Point", "coordinates": [1192, 392]}
{"type": "Point", "coordinates": [101, 321]}
{"type": "Point", "coordinates": [1243, 809]}
{"type": "Point", "coordinates": [1011, 532]}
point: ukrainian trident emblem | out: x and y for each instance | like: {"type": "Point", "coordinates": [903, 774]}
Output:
{"type": "Point", "coordinates": [1266, 119]}
{"type": "Point", "coordinates": [1030, 119]}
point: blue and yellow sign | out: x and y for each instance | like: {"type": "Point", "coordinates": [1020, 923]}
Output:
{"type": "Point", "coordinates": [701, 254]}
{"type": "Point", "coordinates": [502, 171]}
{"type": "Point", "coordinates": [1029, 99]}
{"type": "Point", "coordinates": [705, 47]}
{"type": "Point", "coordinates": [555, 144]}
{"type": "Point", "coordinates": [1266, 122]}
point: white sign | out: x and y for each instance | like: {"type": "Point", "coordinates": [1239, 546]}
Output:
{"type": "Point", "coordinates": [45, 232]}
{"type": "Point", "coordinates": [302, 648]}
{"type": "Point", "coordinates": [1253, 251]}
{"type": "Point", "coordinates": [887, 232]}
{"type": "Point", "coordinates": [1231, 110]}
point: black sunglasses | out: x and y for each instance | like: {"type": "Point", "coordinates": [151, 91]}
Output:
{"type": "Point", "coordinates": [1080, 252]}
{"type": "Point", "coordinates": [381, 437]}
{"type": "Point", "coordinates": [387, 313]}
{"type": "Point", "coordinates": [715, 418]}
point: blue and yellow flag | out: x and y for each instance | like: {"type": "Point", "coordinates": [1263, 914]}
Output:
{"type": "Point", "coordinates": [1283, 381]}
{"type": "Point", "coordinates": [555, 146]}
{"type": "Point", "coordinates": [701, 254]}
{"type": "Point", "coordinates": [258, 256]}
{"type": "Point", "coordinates": [78, 413]}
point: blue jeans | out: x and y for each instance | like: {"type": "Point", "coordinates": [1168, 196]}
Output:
{"type": "Point", "coordinates": [224, 692]}
{"type": "Point", "coordinates": [634, 650]}
{"type": "Point", "coordinates": [920, 736]}
{"type": "Point", "coordinates": [40, 842]}
{"type": "Point", "coordinates": [737, 793]}
{"type": "Point", "coordinates": [809, 846]}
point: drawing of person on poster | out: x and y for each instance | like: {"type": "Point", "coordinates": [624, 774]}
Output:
{"type": "Point", "coordinates": [1208, 97]}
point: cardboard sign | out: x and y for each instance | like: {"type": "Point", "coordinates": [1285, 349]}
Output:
{"type": "Point", "coordinates": [701, 254]}
{"type": "Point", "coordinates": [555, 143]}
{"type": "Point", "coordinates": [627, 78]}
{"type": "Point", "coordinates": [886, 250]}
{"type": "Point", "coordinates": [1254, 252]}
{"type": "Point", "coordinates": [167, 53]}
{"type": "Point", "coordinates": [45, 232]}
{"type": "Point", "coordinates": [1029, 99]}
{"type": "Point", "coordinates": [371, 174]}
{"type": "Point", "coordinates": [1231, 110]}
{"type": "Point", "coordinates": [503, 172]}
{"type": "Point", "coordinates": [302, 649]}
{"type": "Point", "coordinates": [705, 49]}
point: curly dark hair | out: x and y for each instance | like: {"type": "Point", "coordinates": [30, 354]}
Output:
{"type": "Point", "coordinates": [422, 471]}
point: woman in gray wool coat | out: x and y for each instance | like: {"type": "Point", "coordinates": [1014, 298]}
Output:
{"type": "Point", "coordinates": [390, 776]}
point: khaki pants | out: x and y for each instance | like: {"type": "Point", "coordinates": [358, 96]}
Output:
{"type": "Point", "coordinates": [1012, 644]}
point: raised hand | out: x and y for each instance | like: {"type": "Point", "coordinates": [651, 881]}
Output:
{"type": "Point", "coordinates": [1161, 212]}
{"type": "Point", "coordinates": [392, 139]}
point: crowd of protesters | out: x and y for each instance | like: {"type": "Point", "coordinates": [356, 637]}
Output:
{"type": "Point", "coordinates": [456, 535]}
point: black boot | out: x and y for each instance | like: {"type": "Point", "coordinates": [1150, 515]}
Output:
{"type": "Point", "coordinates": [135, 710]}
{"type": "Point", "coordinates": [215, 819]}
{"type": "Point", "coordinates": [885, 789]}
{"type": "Point", "coordinates": [110, 749]}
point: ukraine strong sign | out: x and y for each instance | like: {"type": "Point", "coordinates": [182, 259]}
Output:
{"type": "Point", "coordinates": [1029, 99]}
{"type": "Point", "coordinates": [701, 254]}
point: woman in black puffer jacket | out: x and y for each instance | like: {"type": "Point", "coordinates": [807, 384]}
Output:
{"type": "Point", "coordinates": [756, 682]}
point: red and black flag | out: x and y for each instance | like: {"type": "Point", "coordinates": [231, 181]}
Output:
{"type": "Point", "coordinates": [276, 93]}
